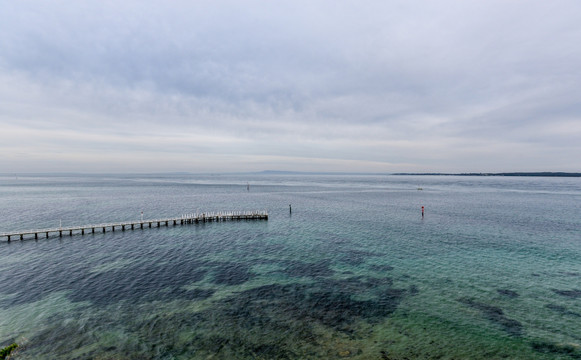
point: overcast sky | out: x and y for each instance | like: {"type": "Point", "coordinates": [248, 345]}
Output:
{"type": "Point", "coordinates": [226, 86]}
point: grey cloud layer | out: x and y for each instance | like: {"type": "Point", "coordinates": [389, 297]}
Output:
{"type": "Point", "coordinates": [448, 85]}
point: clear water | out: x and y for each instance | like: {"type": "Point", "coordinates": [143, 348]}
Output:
{"type": "Point", "coordinates": [493, 270]}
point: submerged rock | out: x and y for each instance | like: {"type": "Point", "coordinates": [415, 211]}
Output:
{"type": "Point", "coordinates": [381, 268]}
{"type": "Point", "coordinates": [573, 294]}
{"type": "Point", "coordinates": [496, 315]}
{"type": "Point", "coordinates": [561, 349]}
{"type": "Point", "coordinates": [302, 269]}
{"type": "Point", "coordinates": [562, 310]}
{"type": "Point", "coordinates": [232, 274]}
{"type": "Point", "coordinates": [508, 293]}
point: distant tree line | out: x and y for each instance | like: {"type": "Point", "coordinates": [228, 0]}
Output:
{"type": "Point", "coordinates": [543, 173]}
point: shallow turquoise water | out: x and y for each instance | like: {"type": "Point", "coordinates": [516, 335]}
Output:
{"type": "Point", "coordinates": [493, 270]}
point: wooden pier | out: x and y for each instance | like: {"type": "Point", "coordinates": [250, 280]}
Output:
{"type": "Point", "coordinates": [132, 225]}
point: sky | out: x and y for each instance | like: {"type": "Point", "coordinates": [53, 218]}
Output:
{"type": "Point", "coordinates": [334, 86]}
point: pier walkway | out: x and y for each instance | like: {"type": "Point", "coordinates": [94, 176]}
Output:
{"type": "Point", "coordinates": [132, 225]}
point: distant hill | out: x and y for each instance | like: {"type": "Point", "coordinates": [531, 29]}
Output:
{"type": "Point", "coordinates": [278, 172]}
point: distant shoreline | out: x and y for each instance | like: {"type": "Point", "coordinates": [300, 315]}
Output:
{"type": "Point", "coordinates": [302, 173]}
{"type": "Point", "coordinates": [543, 174]}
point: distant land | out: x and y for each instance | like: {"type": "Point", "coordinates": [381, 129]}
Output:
{"type": "Point", "coordinates": [306, 173]}
{"type": "Point", "coordinates": [545, 174]}
{"type": "Point", "coordinates": [279, 172]}
{"type": "Point", "coordinates": [542, 173]}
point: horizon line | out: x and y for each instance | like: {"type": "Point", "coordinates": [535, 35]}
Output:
{"type": "Point", "coordinates": [290, 172]}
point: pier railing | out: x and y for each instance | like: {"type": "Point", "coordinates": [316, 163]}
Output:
{"type": "Point", "coordinates": [192, 218]}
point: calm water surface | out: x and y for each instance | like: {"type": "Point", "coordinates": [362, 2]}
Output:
{"type": "Point", "coordinates": [492, 271]}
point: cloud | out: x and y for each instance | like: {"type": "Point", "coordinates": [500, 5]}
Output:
{"type": "Point", "coordinates": [438, 86]}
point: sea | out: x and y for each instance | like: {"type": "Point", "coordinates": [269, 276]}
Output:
{"type": "Point", "coordinates": [492, 270]}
